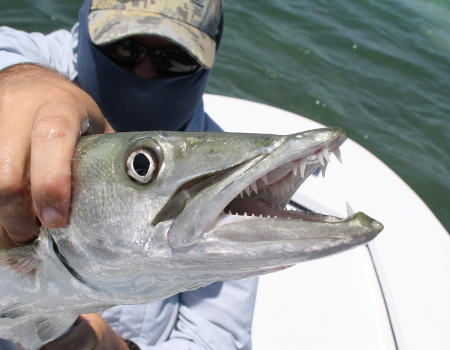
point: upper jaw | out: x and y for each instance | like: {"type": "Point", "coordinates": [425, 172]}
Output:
{"type": "Point", "coordinates": [261, 186]}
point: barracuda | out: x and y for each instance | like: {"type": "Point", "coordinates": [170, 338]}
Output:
{"type": "Point", "coordinates": [192, 208]}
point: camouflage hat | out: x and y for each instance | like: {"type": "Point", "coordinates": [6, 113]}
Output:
{"type": "Point", "coordinates": [191, 24]}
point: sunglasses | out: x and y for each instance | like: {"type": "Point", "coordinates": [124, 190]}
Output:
{"type": "Point", "coordinates": [170, 62]}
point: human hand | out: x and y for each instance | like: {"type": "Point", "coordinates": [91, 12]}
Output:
{"type": "Point", "coordinates": [42, 115]}
{"type": "Point", "coordinates": [91, 332]}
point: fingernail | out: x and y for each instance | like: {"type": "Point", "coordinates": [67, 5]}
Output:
{"type": "Point", "coordinates": [51, 216]}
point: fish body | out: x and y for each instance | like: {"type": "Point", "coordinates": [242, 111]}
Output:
{"type": "Point", "coordinates": [157, 213]}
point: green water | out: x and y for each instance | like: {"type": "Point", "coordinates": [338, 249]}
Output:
{"type": "Point", "coordinates": [379, 69]}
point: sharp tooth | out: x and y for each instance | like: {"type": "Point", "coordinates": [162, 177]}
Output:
{"type": "Point", "coordinates": [291, 183]}
{"type": "Point", "coordinates": [320, 157]}
{"type": "Point", "coordinates": [326, 155]}
{"type": "Point", "coordinates": [230, 213]}
{"type": "Point", "coordinates": [350, 211]}
{"type": "Point", "coordinates": [273, 189]}
{"type": "Point", "coordinates": [242, 194]}
{"type": "Point", "coordinates": [254, 188]}
{"type": "Point", "coordinates": [245, 214]}
{"type": "Point", "coordinates": [276, 189]}
{"type": "Point", "coordinates": [264, 178]}
{"type": "Point", "coordinates": [324, 168]}
{"type": "Point", "coordinates": [295, 170]}
{"type": "Point", "coordinates": [337, 154]}
{"type": "Point", "coordinates": [280, 188]}
{"type": "Point", "coordinates": [302, 167]}
{"type": "Point", "coordinates": [286, 187]}
{"type": "Point", "coordinates": [247, 190]}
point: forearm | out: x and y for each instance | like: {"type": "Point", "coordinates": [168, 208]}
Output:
{"type": "Point", "coordinates": [90, 332]}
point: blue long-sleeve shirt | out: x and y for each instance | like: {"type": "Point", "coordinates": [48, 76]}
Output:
{"type": "Point", "coordinates": [215, 317]}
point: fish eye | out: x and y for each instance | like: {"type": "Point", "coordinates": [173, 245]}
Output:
{"type": "Point", "coordinates": [141, 165]}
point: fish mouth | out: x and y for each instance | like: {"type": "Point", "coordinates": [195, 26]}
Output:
{"type": "Point", "coordinates": [269, 195]}
{"type": "Point", "coordinates": [259, 188]}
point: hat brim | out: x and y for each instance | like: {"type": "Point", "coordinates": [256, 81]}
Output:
{"type": "Point", "coordinates": [107, 26]}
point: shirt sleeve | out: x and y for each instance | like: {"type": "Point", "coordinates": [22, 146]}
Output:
{"type": "Point", "coordinates": [55, 49]}
{"type": "Point", "coordinates": [217, 317]}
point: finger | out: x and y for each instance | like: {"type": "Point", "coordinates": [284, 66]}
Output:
{"type": "Point", "coordinates": [5, 240]}
{"type": "Point", "coordinates": [17, 215]}
{"type": "Point", "coordinates": [53, 139]}
{"type": "Point", "coordinates": [58, 125]}
{"type": "Point", "coordinates": [96, 124]}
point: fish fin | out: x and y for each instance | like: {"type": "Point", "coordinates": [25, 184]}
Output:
{"type": "Point", "coordinates": [51, 328]}
{"type": "Point", "coordinates": [22, 260]}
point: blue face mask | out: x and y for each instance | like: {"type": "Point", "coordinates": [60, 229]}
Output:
{"type": "Point", "coordinates": [131, 103]}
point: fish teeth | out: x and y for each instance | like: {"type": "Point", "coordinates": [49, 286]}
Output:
{"type": "Point", "coordinates": [280, 186]}
{"type": "Point", "coordinates": [291, 183]}
{"type": "Point", "coordinates": [264, 178]}
{"type": "Point", "coordinates": [254, 187]}
{"type": "Point", "coordinates": [274, 189]}
{"type": "Point", "coordinates": [295, 170]}
{"type": "Point", "coordinates": [319, 156]}
{"type": "Point", "coordinates": [326, 154]}
{"type": "Point", "coordinates": [337, 153]}
{"type": "Point", "coordinates": [299, 166]}
{"type": "Point", "coordinates": [324, 168]}
{"type": "Point", "coordinates": [302, 167]}
{"type": "Point", "coordinates": [350, 211]}
{"type": "Point", "coordinates": [286, 187]}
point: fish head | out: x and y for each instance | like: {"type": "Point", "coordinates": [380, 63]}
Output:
{"type": "Point", "coordinates": [200, 206]}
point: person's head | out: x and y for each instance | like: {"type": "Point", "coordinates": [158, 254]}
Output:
{"type": "Point", "coordinates": [123, 43]}
{"type": "Point", "coordinates": [158, 38]}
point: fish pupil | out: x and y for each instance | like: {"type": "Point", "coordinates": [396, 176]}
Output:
{"type": "Point", "coordinates": [141, 164]}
